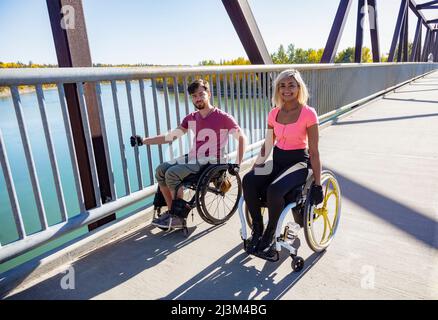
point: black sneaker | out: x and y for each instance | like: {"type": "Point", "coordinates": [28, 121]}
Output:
{"type": "Point", "coordinates": [163, 217]}
{"type": "Point", "coordinates": [268, 253]}
{"type": "Point", "coordinates": [172, 222]}
{"type": "Point", "coordinates": [253, 243]}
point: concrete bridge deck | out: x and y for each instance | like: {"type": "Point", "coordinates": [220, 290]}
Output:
{"type": "Point", "coordinates": [385, 156]}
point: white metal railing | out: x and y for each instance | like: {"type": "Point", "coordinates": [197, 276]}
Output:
{"type": "Point", "coordinates": [243, 91]}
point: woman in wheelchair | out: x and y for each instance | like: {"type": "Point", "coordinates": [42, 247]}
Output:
{"type": "Point", "coordinates": [208, 124]}
{"type": "Point", "coordinates": [293, 134]}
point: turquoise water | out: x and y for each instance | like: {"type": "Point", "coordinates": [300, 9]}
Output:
{"type": "Point", "coordinates": [18, 166]}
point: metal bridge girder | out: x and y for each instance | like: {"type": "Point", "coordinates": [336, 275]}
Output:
{"type": "Point", "coordinates": [336, 32]}
{"type": "Point", "coordinates": [72, 50]}
{"type": "Point", "coordinates": [249, 34]}
{"type": "Point", "coordinates": [397, 31]}
{"type": "Point", "coordinates": [374, 31]}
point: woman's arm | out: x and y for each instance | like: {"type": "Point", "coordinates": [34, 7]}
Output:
{"type": "Point", "coordinates": [266, 147]}
{"type": "Point", "coordinates": [313, 137]}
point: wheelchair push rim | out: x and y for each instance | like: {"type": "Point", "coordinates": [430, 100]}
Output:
{"type": "Point", "coordinates": [215, 203]}
{"type": "Point", "coordinates": [321, 222]}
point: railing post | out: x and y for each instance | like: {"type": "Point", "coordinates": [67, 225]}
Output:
{"type": "Point", "coordinates": [72, 50]}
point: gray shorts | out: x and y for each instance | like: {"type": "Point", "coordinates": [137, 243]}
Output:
{"type": "Point", "coordinates": [172, 174]}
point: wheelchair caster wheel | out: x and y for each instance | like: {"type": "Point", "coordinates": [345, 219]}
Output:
{"type": "Point", "coordinates": [297, 263]}
{"type": "Point", "coordinates": [185, 231]}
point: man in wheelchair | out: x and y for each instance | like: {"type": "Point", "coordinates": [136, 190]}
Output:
{"type": "Point", "coordinates": [293, 134]}
{"type": "Point", "coordinates": [211, 127]}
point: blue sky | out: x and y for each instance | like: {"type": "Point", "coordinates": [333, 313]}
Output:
{"type": "Point", "coordinates": [180, 32]}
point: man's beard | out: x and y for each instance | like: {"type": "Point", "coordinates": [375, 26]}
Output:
{"type": "Point", "coordinates": [200, 106]}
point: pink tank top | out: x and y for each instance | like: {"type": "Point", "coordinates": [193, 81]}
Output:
{"type": "Point", "coordinates": [293, 136]}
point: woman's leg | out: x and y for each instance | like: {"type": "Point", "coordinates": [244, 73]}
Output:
{"type": "Point", "coordinates": [252, 184]}
{"type": "Point", "coordinates": [285, 182]}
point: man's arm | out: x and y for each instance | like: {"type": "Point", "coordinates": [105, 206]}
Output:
{"type": "Point", "coordinates": [166, 137]}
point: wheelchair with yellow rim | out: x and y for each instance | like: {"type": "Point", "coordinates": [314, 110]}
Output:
{"type": "Point", "coordinates": [319, 222]}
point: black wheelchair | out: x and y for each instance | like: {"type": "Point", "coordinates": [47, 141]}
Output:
{"type": "Point", "coordinates": [319, 222]}
{"type": "Point", "coordinates": [215, 193]}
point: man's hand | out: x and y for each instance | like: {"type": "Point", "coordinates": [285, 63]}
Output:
{"type": "Point", "coordinates": [136, 141]}
{"type": "Point", "coordinates": [316, 195]}
{"type": "Point", "coordinates": [234, 169]}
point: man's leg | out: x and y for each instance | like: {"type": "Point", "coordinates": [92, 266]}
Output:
{"type": "Point", "coordinates": [160, 175]}
{"type": "Point", "coordinates": [167, 194]}
{"type": "Point", "coordinates": [176, 174]}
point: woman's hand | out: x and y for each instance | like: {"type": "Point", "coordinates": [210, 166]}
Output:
{"type": "Point", "coordinates": [257, 165]}
{"type": "Point", "coordinates": [316, 195]}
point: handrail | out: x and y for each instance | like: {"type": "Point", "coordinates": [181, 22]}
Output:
{"type": "Point", "coordinates": [29, 76]}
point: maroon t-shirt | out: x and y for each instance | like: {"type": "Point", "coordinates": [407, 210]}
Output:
{"type": "Point", "coordinates": [211, 132]}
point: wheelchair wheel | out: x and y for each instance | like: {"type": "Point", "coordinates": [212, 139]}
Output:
{"type": "Point", "coordinates": [218, 195]}
{"type": "Point", "coordinates": [321, 222]}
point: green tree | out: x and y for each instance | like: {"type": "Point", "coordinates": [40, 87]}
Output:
{"type": "Point", "coordinates": [280, 57]}
{"type": "Point", "coordinates": [300, 56]}
{"type": "Point", "coordinates": [366, 55]}
{"type": "Point", "coordinates": [290, 53]}
{"type": "Point", "coordinates": [314, 56]}
{"type": "Point", "coordinates": [345, 56]}
{"type": "Point", "coordinates": [410, 47]}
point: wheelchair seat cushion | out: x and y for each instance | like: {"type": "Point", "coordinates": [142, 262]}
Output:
{"type": "Point", "coordinates": [290, 197]}
{"type": "Point", "coordinates": [194, 177]}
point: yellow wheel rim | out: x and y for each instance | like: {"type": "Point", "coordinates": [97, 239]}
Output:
{"type": "Point", "coordinates": [323, 219]}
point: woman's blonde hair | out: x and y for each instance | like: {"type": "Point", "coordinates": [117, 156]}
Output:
{"type": "Point", "coordinates": [303, 93]}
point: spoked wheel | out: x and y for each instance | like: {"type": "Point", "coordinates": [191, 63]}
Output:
{"type": "Point", "coordinates": [219, 194]}
{"type": "Point", "coordinates": [321, 222]}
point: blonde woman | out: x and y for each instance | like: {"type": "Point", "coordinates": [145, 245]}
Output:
{"type": "Point", "coordinates": [293, 134]}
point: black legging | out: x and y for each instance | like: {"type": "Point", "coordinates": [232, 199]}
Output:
{"type": "Point", "coordinates": [289, 170]}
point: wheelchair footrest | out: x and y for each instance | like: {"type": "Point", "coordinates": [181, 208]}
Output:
{"type": "Point", "coordinates": [268, 257]}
